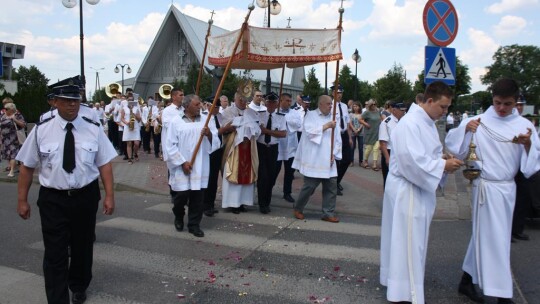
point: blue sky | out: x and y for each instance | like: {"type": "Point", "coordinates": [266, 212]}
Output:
{"type": "Point", "coordinates": [384, 32]}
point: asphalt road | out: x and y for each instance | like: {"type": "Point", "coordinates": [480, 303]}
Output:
{"type": "Point", "coordinates": [246, 258]}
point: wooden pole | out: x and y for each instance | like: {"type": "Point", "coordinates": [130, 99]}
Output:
{"type": "Point", "coordinates": [222, 82]}
{"type": "Point", "coordinates": [204, 55]}
{"type": "Point", "coordinates": [336, 84]}
{"type": "Point", "coordinates": [281, 87]}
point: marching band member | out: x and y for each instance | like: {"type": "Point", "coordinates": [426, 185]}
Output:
{"type": "Point", "coordinates": [131, 136]}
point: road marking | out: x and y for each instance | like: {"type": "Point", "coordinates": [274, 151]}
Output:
{"type": "Point", "coordinates": [290, 222]}
{"type": "Point", "coordinates": [250, 242]}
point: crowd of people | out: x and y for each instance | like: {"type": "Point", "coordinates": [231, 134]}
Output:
{"type": "Point", "coordinates": [246, 142]}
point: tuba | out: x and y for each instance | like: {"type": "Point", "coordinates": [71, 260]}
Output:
{"type": "Point", "coordinates": [165, 91]}
{"type": "Point", "coordinates": [112, 89]}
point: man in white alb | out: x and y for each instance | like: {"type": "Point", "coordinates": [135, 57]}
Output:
{"type": "Point", "coordinates": [417, 167]}
{"type": "Point", "coordinates": [505, 143]}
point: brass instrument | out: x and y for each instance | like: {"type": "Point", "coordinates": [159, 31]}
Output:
{"type": "Point", "coordinates": [165, 91]}
{"type": "Point", "coordinates": [246, 88]}
{"type": "Point", "coordinates": [131, 124]}
{"type": "Point", "coordinates": [148, 120]}
{"type": "Point", "coordinates": [157, 129]}
{"type": "Point", "coordinates": [472, 161]}
{"type": "Point", "coordinates": [112, 89]}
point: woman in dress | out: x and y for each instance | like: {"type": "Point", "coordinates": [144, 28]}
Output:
{"type": "Point", "coordinates": [132, 134]}
{"type": "Point", "coordinates": [357, 131]}
{"type": "Point", "coordinates": [10, 143]}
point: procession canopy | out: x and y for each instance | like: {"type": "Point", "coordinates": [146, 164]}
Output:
{"type": "Point", "coordinates": [269, 48]}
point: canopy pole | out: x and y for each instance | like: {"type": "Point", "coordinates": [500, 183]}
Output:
{"type": "Point", "coordinates": [336, 83]}
{"type": "Point", "coordinates": [281, 86]}
{"type": "Point", "coordinates": [222, 82]}
{"type": "Point", "coordinates": [199, 78]}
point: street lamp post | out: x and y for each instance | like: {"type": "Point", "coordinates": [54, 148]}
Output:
{"type": "Point", "coordinates": [274, 8]}
{"type": "Point", "coordinates": [356, 57]}
{"type": "Point", "coordinates": [72, 4]}
{"type": "Point", "coordinates": [117, 70]}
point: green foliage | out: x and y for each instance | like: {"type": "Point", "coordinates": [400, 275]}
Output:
{"type": "Point", "coordinates": [312, 87]}
{"type": "Point", "coordinates": [31, 98]}
{"type": "Point", "coordinates": [100, 95]}
{"type": "Point", "coordinates": [520, 62]}
{"type": "Point", "coordinates": [190, 86]}
{"type": "Point", "coordinates": [393, 86]}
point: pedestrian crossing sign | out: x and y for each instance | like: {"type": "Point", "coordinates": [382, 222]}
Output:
{"type": "Point", "coordinates": [440, 65]}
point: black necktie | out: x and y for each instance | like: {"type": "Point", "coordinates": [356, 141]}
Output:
{"type": "Point", "coordinates": [341, 124]}
{"type": "Point", "coordinates": [217, 126]}
{"type": "Point", "coordinates": [69, 150]}
{"type": "Point", "coordinates": [269, 127]}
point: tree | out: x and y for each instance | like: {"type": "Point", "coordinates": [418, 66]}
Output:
{"type": "Point", "coordinates": [205, 88]}
{"type": "Point", "coordinates": [100, 95]}
{"type": "Point", "coordinates": [347, 80]}
{"type": "Point", "coordinates": [393, 86]}
{"type": "Point", "coordinates": [312, 87]}
{"type": "Point", "coordinates": [30, 98]}
{"type": "Point", "coordinates": [519, 62]}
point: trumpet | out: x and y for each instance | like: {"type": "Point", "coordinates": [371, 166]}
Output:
{"type": "Point", "coordinates": [148, 120]}
{"type": "Point", "coordinates": [131, 124]}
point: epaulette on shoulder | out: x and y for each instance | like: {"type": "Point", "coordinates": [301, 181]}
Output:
{"type": "Point", "coordinates": [90, 121]}
{"type": "Point", "coordinates": [45, 120]}
{"type": "Point", "coordinates": [387, 119]}
{"type": "Point", "coordinates": [279, 113]}
{"type": "Point", "coordinates": [261, 111]}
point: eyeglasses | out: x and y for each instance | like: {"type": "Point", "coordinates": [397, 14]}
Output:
{"type": "Point", "coordinates": [258, 95]}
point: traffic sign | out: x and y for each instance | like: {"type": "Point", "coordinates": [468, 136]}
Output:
{"type": "Point", "coordinates": [440, 22]}
{"type": "Point", "coordinates": [440, 65]}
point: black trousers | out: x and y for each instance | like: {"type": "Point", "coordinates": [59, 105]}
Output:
{"type": "Point", "coordinates": [384, 168]}
{"type": "Point", "coordinates": [288, 176]}
{"type": "Point", "coordinates": [346, 157]}
{"type": "Point", "coordinates": [122, 144]}
{"type": "Point", "coordinates": [157, 142]}
{"type": "Point", "coordinates": [68, 221]}
{"type": "Point", "coordinates": [527, 199]}
{"type": "Point", "coordinates": [210, 191]}
{"type": "Point", "coordinates": [267, 172]}
{"type": "Point", "coordinates": [194, 200]}
{"type": "Point", "coordinates": [145, 139]}
{"type": "Point", "coordinates": [113, 133]}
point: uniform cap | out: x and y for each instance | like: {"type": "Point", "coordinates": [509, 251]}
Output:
{"type": "Point", "coordinates": [306, 98]}
{"type": "Point", "coordinates": [339, 88]}
{"type": "Point", "coordinates": [271, 96]}
{"type": "Point", "coordinates": [67, 92]}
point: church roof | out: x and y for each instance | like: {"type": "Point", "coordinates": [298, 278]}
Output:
{"type": "Point", "coordinates": [195, 31]}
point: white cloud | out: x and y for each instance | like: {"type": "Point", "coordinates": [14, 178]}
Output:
{"type": "Point", "coordinates": [508, 5]}
{"type": "Point", "coordinates": [396, 24]}
{"type": "Point", "coordinates": [509, 26]}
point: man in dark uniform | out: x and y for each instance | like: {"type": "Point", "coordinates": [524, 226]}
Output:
{"type": "Point", "coordinates": [525, 194]}
{"type": "Point", "coordinates": [272, 127]}
{"type": "Point", "coordinates": [342, 118]}
{"type": "Point", "coordinates": [71, 151]}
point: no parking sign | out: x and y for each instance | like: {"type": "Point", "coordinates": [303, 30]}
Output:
{"type": "Point", "coordinates": [440, 22]}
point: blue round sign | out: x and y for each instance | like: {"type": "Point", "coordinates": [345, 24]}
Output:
{"type": "Point", "coordinates": [440, 22]}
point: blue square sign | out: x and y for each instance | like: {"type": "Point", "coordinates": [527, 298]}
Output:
{"type": "Point", "coordinates": [440, 65]}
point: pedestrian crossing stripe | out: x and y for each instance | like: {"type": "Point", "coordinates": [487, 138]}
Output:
{"type": "Point", "coordinates": [440, 65]}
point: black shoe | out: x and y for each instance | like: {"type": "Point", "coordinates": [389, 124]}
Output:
{"type": "Point", "coordinates": [242, 208]}
{"type": "Point", "coordinates": [179, 224]}
{"type": "Point", "coordinates": [209, 212]}
{"type": "Point", "coordinates": [215, 210]}
{"type": "Point", "coordinates": [196, 232]}
{"type": "Point", "coordinates": [339, 192]}
{"type": "Point", "coordinates": [466, 287]}
{"type": "Point", "coordinates": [339, 187]}
{"type": "Point", "coordinates": [288, 198]}
{"type": "Point", "coordinates": [504, 301]}
{"type": "Point", "coordinates": [521, 236]}
{"type": "Point", "coordinates": [264, 210]}
{"type": "Point", "coordinates": [235, 210]}
{"type": "Point", "coordinates": [78, 297]}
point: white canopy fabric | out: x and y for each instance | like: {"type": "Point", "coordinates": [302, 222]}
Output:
{"type": "Point", "coordinates": [264, 48]}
